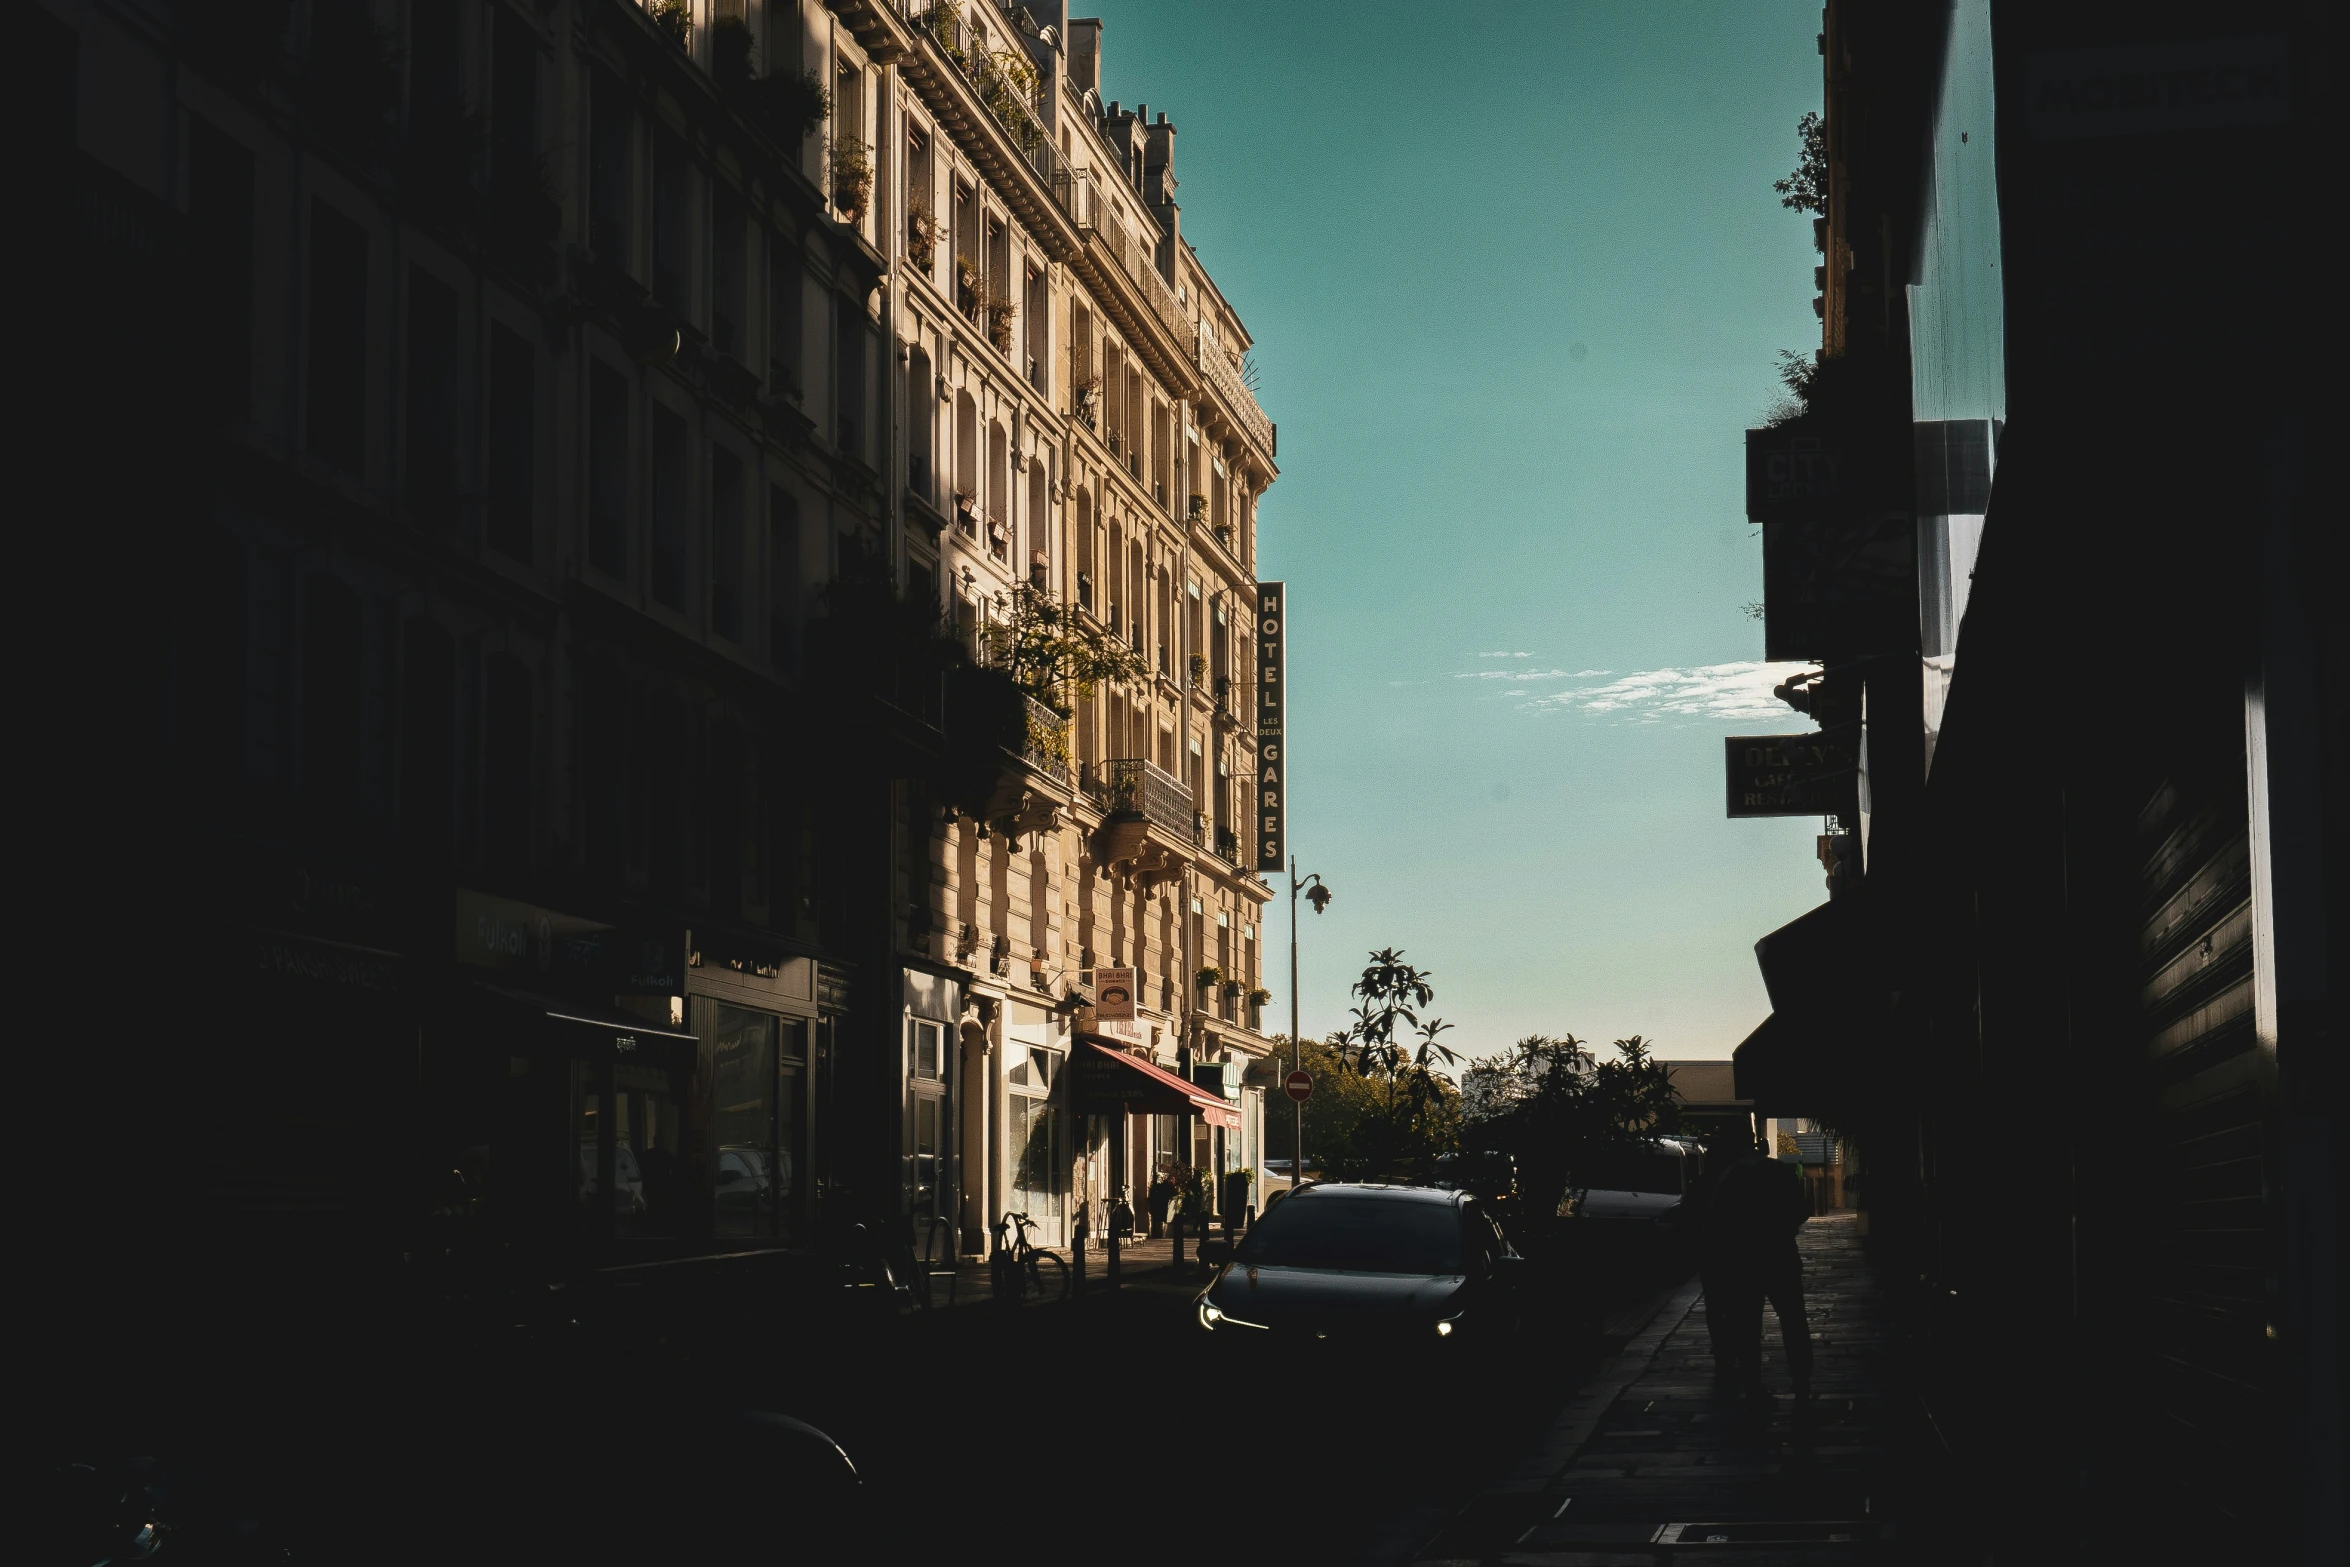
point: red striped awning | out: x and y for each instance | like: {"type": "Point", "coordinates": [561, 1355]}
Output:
{"type": "Point", "coordinates": [1107, 1079]}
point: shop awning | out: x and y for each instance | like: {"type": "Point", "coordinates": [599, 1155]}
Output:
{"type": "Point", "coordinates": [1107, 1080]}
{"type": "Point", "coordinates": [1830, 1003]}
{"type": "Point", "coordinates": [596, 1033]}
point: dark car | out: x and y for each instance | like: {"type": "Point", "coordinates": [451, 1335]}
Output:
{"type": "Point", "coordinates": [1406, 1264]}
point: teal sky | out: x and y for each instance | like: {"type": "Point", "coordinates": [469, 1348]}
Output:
{"type": "Point", "coordinates": [1517, 279]}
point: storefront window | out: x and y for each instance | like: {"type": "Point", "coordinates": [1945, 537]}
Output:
{"type": "Point", "coordinates": [1038, 1181]}
{"type": "Point", "coordinates": [743, 1123]}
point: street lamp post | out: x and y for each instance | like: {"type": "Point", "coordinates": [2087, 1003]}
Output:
{"type": "Point", "coordinates": [1319, 897]}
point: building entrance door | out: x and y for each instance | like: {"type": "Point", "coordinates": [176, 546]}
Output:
{"type": "Point", "coordinates": [1034, 1146]}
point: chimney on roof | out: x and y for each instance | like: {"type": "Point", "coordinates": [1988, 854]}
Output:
{"type": "Point", "coordinates": [1084, 40]}
{"type": "Point", "coordinates": [1158, 189]}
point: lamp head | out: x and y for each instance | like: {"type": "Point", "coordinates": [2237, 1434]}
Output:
{"type": "Point", "coordinates": [1318, 895]}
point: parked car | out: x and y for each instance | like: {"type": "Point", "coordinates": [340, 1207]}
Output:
{"type": "Point", "coordinates": [1643, 1184]}
{"type": "Point", "coordinates": [1409, 1265]}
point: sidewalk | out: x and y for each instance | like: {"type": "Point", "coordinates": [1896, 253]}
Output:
{"type": "Point", "coordinates": [1142, 1265]}
{"type": "Point", "coordinates": [1650, 1464]}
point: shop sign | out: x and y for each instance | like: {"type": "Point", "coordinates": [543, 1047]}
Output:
{"type": "Point", "coordinates": [524, 941]}
{"type": "Point", "coordinates": [1113, 995]}
{"type": "Point", "coordinates": [1792, 775]}
{"type": "Point", "coordinates": [1789, 476]}
{"type": "Point", "coordinates": [1838, 586]}
{"type": "Point", "coordinates": [1270, 812]}
{"type": "Point", "coordinates": [2144, 89]}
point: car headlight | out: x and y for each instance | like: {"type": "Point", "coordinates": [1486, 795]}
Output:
{"type": "Point", "coordinates": [1447, 1327]}
{"type": "Point", "coordinates": [1209, 1316]}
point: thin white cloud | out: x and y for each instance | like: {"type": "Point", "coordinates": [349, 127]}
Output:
{"type": "Point", "coordinates": [1530, 674]}
{"type": "Point", "coordinates": [1505, 655]}
{"type": "Point", "coordinates": [1739, 691]}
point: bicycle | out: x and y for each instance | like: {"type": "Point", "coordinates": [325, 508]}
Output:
{"type": "Point", "coordinates": [1021, 1270]}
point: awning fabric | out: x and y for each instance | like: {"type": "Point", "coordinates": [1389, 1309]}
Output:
{"type": "Point", "coordinates": [1830, 1004]}
{"type": "Point", "coordinates": [597, 1032]}
{"type": "Point", "coordinates": [1107, 1080]}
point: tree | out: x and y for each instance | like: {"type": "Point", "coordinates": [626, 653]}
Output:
{"type": "Point", "coordinates": [1052, 656]}
{"type": "Point", "coordinates": [1418, 1114]}
{"type": "Point", "coordinates": [1563, 1113]}
{"type": "Point", "coordinates": [1806, 190]}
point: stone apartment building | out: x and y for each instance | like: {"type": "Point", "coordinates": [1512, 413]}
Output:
{"type": "Point", "coordinates": [567, 429]}
{"type": "Point", "coordinates": [1074, 421]}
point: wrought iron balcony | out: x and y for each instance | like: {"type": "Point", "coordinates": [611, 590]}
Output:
{"type": "Point", "coordinates": [1134, 786]}
{"type": "Point", "coordinates": [1047, 745]}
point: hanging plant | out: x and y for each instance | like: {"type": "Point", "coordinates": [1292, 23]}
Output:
{"type": "Point", "coordinates": [1001, 313]}
{"type": "Point", "coordinates": [970, 286]}
{"type": "Point", "coordinates": [921, 236]}
{"type": "Point", "coordinates": [675, 18]}
{"type": "Point", "coordinates": [1259, 996]}
{"type": "Point", "coordinates": [852, 176]}
{"type": "Point", "coordinates": [1210, 977]}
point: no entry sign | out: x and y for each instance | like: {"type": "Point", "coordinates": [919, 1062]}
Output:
{"type": "Point", "coordinates": [1299, 1085]}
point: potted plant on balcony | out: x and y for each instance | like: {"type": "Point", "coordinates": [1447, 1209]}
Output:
{"type": "Point", "coordinates": [970, 287]}
{"type": "Point", "coordinates": [1089, 401]}
{"type": "Point", "coordinates": [921, 236]}
{"type": "Point", "coordinates": [1198, 664]}
{"type": "Point", "coordinates": [1199, 508]}
{"type": "Point", "coordinates": [1208, 979]}
{"type": "Point", "coordinates": [852, 176]}
{"type": "Point", "coordinates": [675, 18]}
{"type": "Point", "coordinates": [1002, 311]}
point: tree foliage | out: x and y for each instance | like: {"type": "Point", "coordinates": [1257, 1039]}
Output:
{"type": "Point", "coordinates": [1806, 190]}
{"type": "Point", "coordinates": [1563, 1112]}
{"type": "Point", "coordinates": [1052, 655]}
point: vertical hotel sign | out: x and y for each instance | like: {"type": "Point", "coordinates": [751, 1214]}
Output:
{"type": "Point", "coordinates": [1272, 818]}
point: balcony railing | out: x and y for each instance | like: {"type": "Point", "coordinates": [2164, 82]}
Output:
{"type": "Point", "coordinates": [1235, 393]}
{"type": "Point", "coordinates": [1135, 259]}
{"type": "Point", "coordinates": [966, 45]}
{"type": "Point", "coordinates": [1133, 786]}
{"type": "Point", "coordinates": [1047, 747]}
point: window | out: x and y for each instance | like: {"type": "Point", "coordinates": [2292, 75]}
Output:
{"type": "Point", "coordinates": [671, 480]}
{"type": "Point", "coordinates": [428, 715]}
{"type": "Point", "coordinates": [431, 436]}
{"type": "Point", "coordinates": [220, 241]}
{"type": "Point", "coordinates": [851, 343]}
{"type": "Point", "coordinates": [727, 782]}
{"type": "Point", "coordinates": [514, 108]}
{"type": "Point", "coordinates": [726, 544]}
{"type": "Point", "coordinates": [513, 446]}
{"type": "Point", "coordinates": [332, 623]}
{"type": "Point", "coordinates": [508, 715]}
{"type": "Point", "coordinates": [337, 402]}
{"type": "Point", "coordinates": [608, 470]}
{"type": "Point", "coordinates": [966, 245]}
{"type": "Point", "coordinates": [929, 1052]}
{"type": "Point", "coordinates": [921, 199]}
{"type": "Point", "coordinates": [745, 1123]}
{"type": "Point", "coordinates": [611, 131]}
{"type": "Point", "coordinates": [727, 304]}
{"type": "Point", "coordinates": [783, 575]}
{"type": "Point", "coordinates": [603, 726]}
{"type": "Point", "coordinates": [784, 319]}
{"type": "Point", "coordinates": [921, 422]}
{"type": "Point", "coordinates": [673, 208]}
{"type": "Point", "coordinates": [1034, 327]}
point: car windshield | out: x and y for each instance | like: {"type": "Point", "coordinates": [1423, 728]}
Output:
{"type": "Point", "coordinates": [1654, 1171]}
{"type": "Point", "coordinates": [1363, 1234]}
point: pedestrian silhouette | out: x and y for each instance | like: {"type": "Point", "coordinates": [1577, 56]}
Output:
{"type": "Point", "coordinates": [1747, 1256]}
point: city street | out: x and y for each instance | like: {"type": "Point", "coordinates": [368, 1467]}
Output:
{"type": "Point", "coordinates": [710, 681]}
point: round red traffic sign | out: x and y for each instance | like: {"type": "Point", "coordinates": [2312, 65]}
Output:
{"type": "Point", "coordinates": [1299, 1085]}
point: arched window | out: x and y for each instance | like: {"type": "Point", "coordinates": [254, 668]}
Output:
{"type": "Point", "coordinates": [999, 491]}
{"type": "Point", "coordinates": [966, 455]}
{"type": "Point", "coordinates": [921, 420]}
